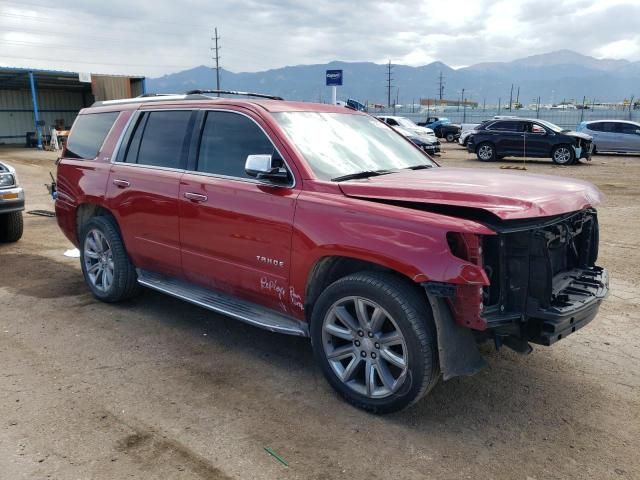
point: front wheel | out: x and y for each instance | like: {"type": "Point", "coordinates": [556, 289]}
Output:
{"type": "Point", "coordinates": [105, 264]}
{"type": "Point", "coordinates": [374, 338]}
{"type": "Point", "coordinates": [563, 155]}
{"type": "Point", "coordinates": [486, 152]}
{"type": "Point", "coordinates": [450, 137]}
{"type": "Point", "coordinates": [11, 227]}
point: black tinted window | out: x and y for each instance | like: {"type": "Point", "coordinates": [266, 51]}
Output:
{"type": "Point", "coordinates": [163, 136]}
{"type": "Point", "coordinates": [627, 128]}
{"type": "Point", "coordinates": [609, 127]}
{"type": "Point", "coordinates": [227, 140]}
{"type": "Point", "coordinates": [88, 134]}
{"type": "Point", "coordinates": [508, 126]}
{"type": "Point", "coordinates": [596, 127]}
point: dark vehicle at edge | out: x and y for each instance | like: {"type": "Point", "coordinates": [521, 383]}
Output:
{"type": "Point", "coordinates": [529, 138]}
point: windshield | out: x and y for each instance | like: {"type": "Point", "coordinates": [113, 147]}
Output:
{"type": "Point", "coordinates": [406, 123]}
{"type": "Point", "coordinates": [551, 126]}
{"type": "Point", "coordinates": [341, 144]}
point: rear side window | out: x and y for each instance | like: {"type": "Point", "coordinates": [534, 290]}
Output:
{"type": "Point", "coordinates": [627, 128]}
{"type": "Point", "coordinates": [159, 139]}
{"type": "Point", "coordinates": [507, 126]}
{"type": "Point", "coordinates": [88, 134]}
{"type": "Point", "coordinates": [227, 140]}
{"type": "Point", "coordinates": [596, 127]}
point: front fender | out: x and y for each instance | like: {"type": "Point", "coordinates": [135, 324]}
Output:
{"type": "Point", "coordinates": [408, 241]}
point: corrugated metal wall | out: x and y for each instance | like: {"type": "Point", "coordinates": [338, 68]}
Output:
{"type": "Point", "coordinates": [107, 87]}
{"type": "Point", "coordinates": [16, 111]}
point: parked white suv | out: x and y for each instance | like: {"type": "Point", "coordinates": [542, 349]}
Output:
{"type": "Point", "coordinates": [406, 124]}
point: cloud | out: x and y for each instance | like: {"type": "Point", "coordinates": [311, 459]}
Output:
{"type": "Point", "coordinates": [163, 36]}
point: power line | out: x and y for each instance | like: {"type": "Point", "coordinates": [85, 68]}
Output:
{"type": "Point", "coordinates": [217, 57]}
{"type": "Point", "coordinates": [389, 85]}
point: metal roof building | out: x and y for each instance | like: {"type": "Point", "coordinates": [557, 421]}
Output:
{"type": "Point", "coordinates": [34, 101]}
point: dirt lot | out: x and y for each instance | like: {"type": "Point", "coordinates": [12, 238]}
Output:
{"type": "Point", "coordinates": [157, 388]}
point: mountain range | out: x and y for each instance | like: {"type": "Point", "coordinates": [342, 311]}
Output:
{"type": "Point", "coordinates": [554, 76]}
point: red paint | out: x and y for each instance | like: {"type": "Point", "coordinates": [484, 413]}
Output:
{"type": "Point", "coordinates": [218, 242]}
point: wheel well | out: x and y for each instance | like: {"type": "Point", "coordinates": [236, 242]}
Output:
{"type": "Point", "coordinates": [86, 212]}
{"type": "Point", "coordinates": [329, 269]}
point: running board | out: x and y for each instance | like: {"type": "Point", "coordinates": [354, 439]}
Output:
{"type": "Point", "coordinates": [242, 310]}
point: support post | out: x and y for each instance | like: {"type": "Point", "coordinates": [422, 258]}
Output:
{"type": "Point", "coordinates": [334, 95]}
{"type": "Point", "coordinates": [144, 86]}
{"type": "Point", "coordinates": [36, 113]}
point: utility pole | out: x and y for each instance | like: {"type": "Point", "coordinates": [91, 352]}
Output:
{"type": "Point", "coordinates": [389, 86]}
{"type": "Point", "coordinates": [440, 87]}
{"type": "Point", "coordinates": [511, 97]}
{"type": "Point", "coordinates": [518, 97]}
{"type": "Point", "coordinates": [217, 48]}
{"type": "Point", "coordinates": [499, 104]}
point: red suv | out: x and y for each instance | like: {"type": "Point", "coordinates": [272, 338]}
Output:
{"type": "Point", "coordinates": [321, 221]}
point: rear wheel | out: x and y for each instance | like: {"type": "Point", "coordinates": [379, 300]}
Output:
{"type": "Point", "coordinates": [11, 227]}
{"type": "Point", "coordinates": [486, 152]}
{"type": "Point", "coordinates": [374, 337]}
{"type": "Point", "coordinates": [105, 264]}
{"type": "Point", "coordinates": [563, 155]}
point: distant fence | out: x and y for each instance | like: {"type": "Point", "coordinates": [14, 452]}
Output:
{"type": "Point", "coordinates": [563, 118]}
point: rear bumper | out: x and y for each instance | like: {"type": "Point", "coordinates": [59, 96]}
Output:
{"type": "Point", "coordinates": [11, 200]}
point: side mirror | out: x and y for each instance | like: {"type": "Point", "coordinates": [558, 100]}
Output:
{"type": "Point", "coordinates": [267, 169]}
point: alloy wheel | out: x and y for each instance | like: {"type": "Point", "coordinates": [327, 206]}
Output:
{"type": "Point", "coordinates": [485, 152]}
{"type": "Point", "coordinates": [562, 155]}
{"type": "Point", "coordinates": [365, 347]}
{"type": "Point", "coordinates": [98, 260]}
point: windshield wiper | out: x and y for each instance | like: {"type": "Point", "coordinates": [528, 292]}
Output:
{"type": "Point", "coordinates": [419, 167]}
{"type": "Point", "coordinates": [363, 174]}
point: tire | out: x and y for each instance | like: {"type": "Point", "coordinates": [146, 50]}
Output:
{"type": "Point", "coordinates": [450, 137]}
{"type": "Point", "coordinates": [486, 152]}
{"type": "Point", "coordinates": [409, 363]}
{"type": "Point", "coordinates": [101, 251]}
{"type": "Point", "coordinates": [11, 227]}
{"type": "Point", "coordinates": [563, 155]}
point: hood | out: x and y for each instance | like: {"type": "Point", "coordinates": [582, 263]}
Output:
{"type": "Point", "coordinates": [508, 196]}
{"type": "Point", "coordinates": [583, 136]}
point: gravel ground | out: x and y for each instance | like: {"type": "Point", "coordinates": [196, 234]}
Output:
{"type": "Point", "coordinates": [157, 388]}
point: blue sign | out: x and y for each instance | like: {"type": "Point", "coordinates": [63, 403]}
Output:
{"type": "Point", "coordinates": [334, 78]}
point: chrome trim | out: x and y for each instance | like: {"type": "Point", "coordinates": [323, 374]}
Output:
{"type": "Point", "coordinates": [150, 167]}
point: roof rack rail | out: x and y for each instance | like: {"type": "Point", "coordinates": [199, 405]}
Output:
{"type": "Point", "coordinates": [233, 92]}
{"type": "Point", "coordinates": [147, 95]}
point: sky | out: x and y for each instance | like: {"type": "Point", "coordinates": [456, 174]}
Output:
{"type": "Point", "coordinates": [157, 37]}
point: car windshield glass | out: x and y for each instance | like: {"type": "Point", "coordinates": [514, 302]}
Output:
{"type": "Point", "coordinates": [339, 144]}
{"type": "Point", "coordinates": [551, 126]}
{"type": "Point", "coordinates": [406, 123]}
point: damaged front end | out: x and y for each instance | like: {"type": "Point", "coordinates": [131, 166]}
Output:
{"type": "Point", "coordinates": [544, 284]}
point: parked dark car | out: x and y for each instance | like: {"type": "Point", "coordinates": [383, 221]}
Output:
{"type": "Point", "coordinates": [618, 136]}
{"type": "Point", "coordinates": [443, 128]}
{"type": "Point", "coordinates": [529, 138]}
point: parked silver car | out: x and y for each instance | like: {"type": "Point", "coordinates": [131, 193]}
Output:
{"type": "Point", "coordinates": [620, 136]}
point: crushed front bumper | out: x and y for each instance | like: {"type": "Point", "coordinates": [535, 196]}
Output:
{"type": "Point", "coordinates": [576, 304]}
{"type": "Point", "coordinates": [11, 200]}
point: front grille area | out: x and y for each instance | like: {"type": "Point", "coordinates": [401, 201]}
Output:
{"type": "Point", "coordinates": [541, 272]}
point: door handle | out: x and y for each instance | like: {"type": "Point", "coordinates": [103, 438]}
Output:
{"type": "Point", "coordinates": [121, 183]}
{"type": "Point", "coordinates": [195, 197]}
